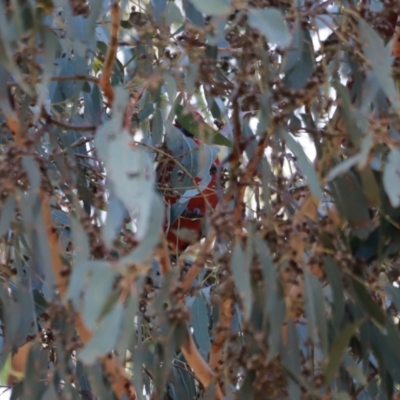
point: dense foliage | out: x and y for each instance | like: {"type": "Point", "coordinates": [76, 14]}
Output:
{"type": "Point", "coordinates": [200, 199]}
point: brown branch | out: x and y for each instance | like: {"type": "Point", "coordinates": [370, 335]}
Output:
{"type": "Point", "coordinates": [65, 126]}
{"type": "Point", "coordinates": [396, 39]}
{"type": "Point", "coordinates": [238, 188]}
{"type": "Point", "coordinates": [105, 79]}
{"type": "Point", "coordinates": [198, 264]}
{"type": "Point", "coordinates": [201, 369]}
{"type": "Point", "coordinates": [116, 374]}
{"type": "Point", "coordinates": [85, 78]}
{"type": "Point", "coordinates": [370, 377]}
{"type": "Point", "coordinates": [163, 256]}
{"type": "Point", "coordinates": [224, 324]}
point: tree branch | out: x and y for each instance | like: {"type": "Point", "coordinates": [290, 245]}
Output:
{"type": "Point", "coordinates": [198, 264]}
{"type": "Point", "coordinates": [116, 374]}
{"type": "Point", "coordinates": [396, 39]}
{"type": "Point", "coordinates": [201, 369]}
{"type": "Point", "coordinates": [105, 79]}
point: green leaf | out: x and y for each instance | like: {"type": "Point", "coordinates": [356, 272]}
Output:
{"type": "Point", "coordinates": [345, 110]}
{"type": "Point", "coordinates": [49, 45]}
{"type": "Point", "coordinates": [7, 214]}
{"type": "Point", "coordinates": [354, 369]}
{"type": "Point", "coordinates": [315, 311]}
{"type": "Point", "coordinates": [157, 125]}
{"type": "Point", "coordinates": [334, 278]}
{"type": "Point", "coordinates": [81, 265]}
{"type": "Point", "coordinates": [352, 203]}
{"type": "Point", "coordinates": [33, 172]}
{"type": "Point", "coordinates": [6, 55]}
{"type": "Point", "coordinates": [275, 309]}
{"type": "Point", "coordinates": [338, 349]}
{"type": "Point", "coordinates": [40, 240]}
{"type": "Point", "coordinates": [159, 7]}
{"type": "Point", "coordinates": [105, 336]}
{"type": "Point", "coordinates": [300, 61]}
{"type": "Point", "coordinates": [173, 14]}
{"type": "Point", "coordinates": [116, 212]}
{"type": "Point", "coordinates": [200, 322]}
{"type": "Point", "coordinates": [127, 339]}
{"type": "Point", "coordinates": [379, 57]}
{"type": "Point", "coordinates": [97, 292]}
{"type": "Point", "coordinates": [35, 372]}
{"type": "Point", "coordinates": [129, 167]}
{"type": "Point", "coordinates": [199, 128]}
{"type": "Point", "coordinates": [270, 23]}
{"type": "Point", "coordinates": [342, 396]}
{"type": "Point", "coordinates": [394, 293]}
{"type": "Point", "coordinates": [391, 177]}
{"type": "Point", "coordinates": [305, 164]}
{"type": "Point", "coordinates": [291, 360]}
{"type": "Point", "coordinates": [98, 384]}
{"type": "Point", "coordinates": [359, 159]}
{"type": "Point", "coordinates": [213, 7]}
{"type": "Point", "coordinates": [241, 276]}
{"type": "Point", "coordinates": [143, 252]}
{"type": "Point", "coordinates": [50, 393]}
{"type": "Point", "coordinates": [194, 16]}
{"type": "Point", "coordinates": [369, 306]}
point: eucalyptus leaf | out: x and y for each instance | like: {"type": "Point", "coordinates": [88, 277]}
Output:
{"type": "Point", "coordinates": [270, 23]}
{"type": "Point", "coordinates": [200, 322]}
{"type": "Point", "coordinates": [391, 175]}
{"type": "Point", "coordinates": [212, 7]}
{"type": "Point", "coordinates": [315, 311]}
{"type": "Point", "coordinates": [104, 337]}
{"type": "Point", "coordinates": [241, 275]}
{"type": "Point", "coordinates": [338, 348]}
{"type": "Point", "coordinates": [132, 175]}
{"type": "Point", "coordinates": [305, 165]}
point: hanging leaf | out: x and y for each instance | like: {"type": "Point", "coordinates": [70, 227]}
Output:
{"type": "Point", "coordinates": [379, 57]}
{"type": "Point", "coordinates": [212, 7]}
{"type": "Point", "coordinates": [241, 275]}
{"type": "Point", "coordinates": [116, 212]}
{"type": "Point", "coordinates": [315, 311]}
{"type": "Point", "coordinates": [104, 337]}
{"type": "Point", "coordinates": [200, 322]}
{"type": "Point", "coordinates": [270, 23]}
{"type": "Point", "coordinates": [305, 165]}
{"type": "Point", "coordinates": [300, 61]}
{"type": "Point", "coordinates": [391, 175]}
{"type": "Point", "coordinates": [337, 350]}
{"type": "Point", "coordinates": [352, 203]}
{"type": "Point", "coordinates": [97, 292]}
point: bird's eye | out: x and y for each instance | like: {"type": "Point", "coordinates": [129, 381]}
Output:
{"type": "Point", "coordinates": [180, 174]}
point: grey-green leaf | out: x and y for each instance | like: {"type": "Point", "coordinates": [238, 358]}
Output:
{"type": "Point", "coordinates": [200, 322]}
{"type": "Point", "coordinates": [241, 275]}
{"type": "Point", "coordinates": [270, 23]}
{"type": "Point", "coordinates": [391, 177]}
{"type": "Point", "coordinates": [305, 164]}
{"type": "Point", "coordinates": [337, 350]}
{"type": "Point", "coordinates": [315, 311]}
{"type": "Point", "coordinates": [213, 7]}
{"type": "Point", "coordinates": [105, 337]}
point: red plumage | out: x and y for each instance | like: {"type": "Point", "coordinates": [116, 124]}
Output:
{"type": "Point", "coordinates": [191, 218]}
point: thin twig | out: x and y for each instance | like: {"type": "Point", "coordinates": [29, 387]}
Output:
{"type": "Point", "coordinates": [108, 65]}
{"type": "Point", "coordinates": [201, 369]}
